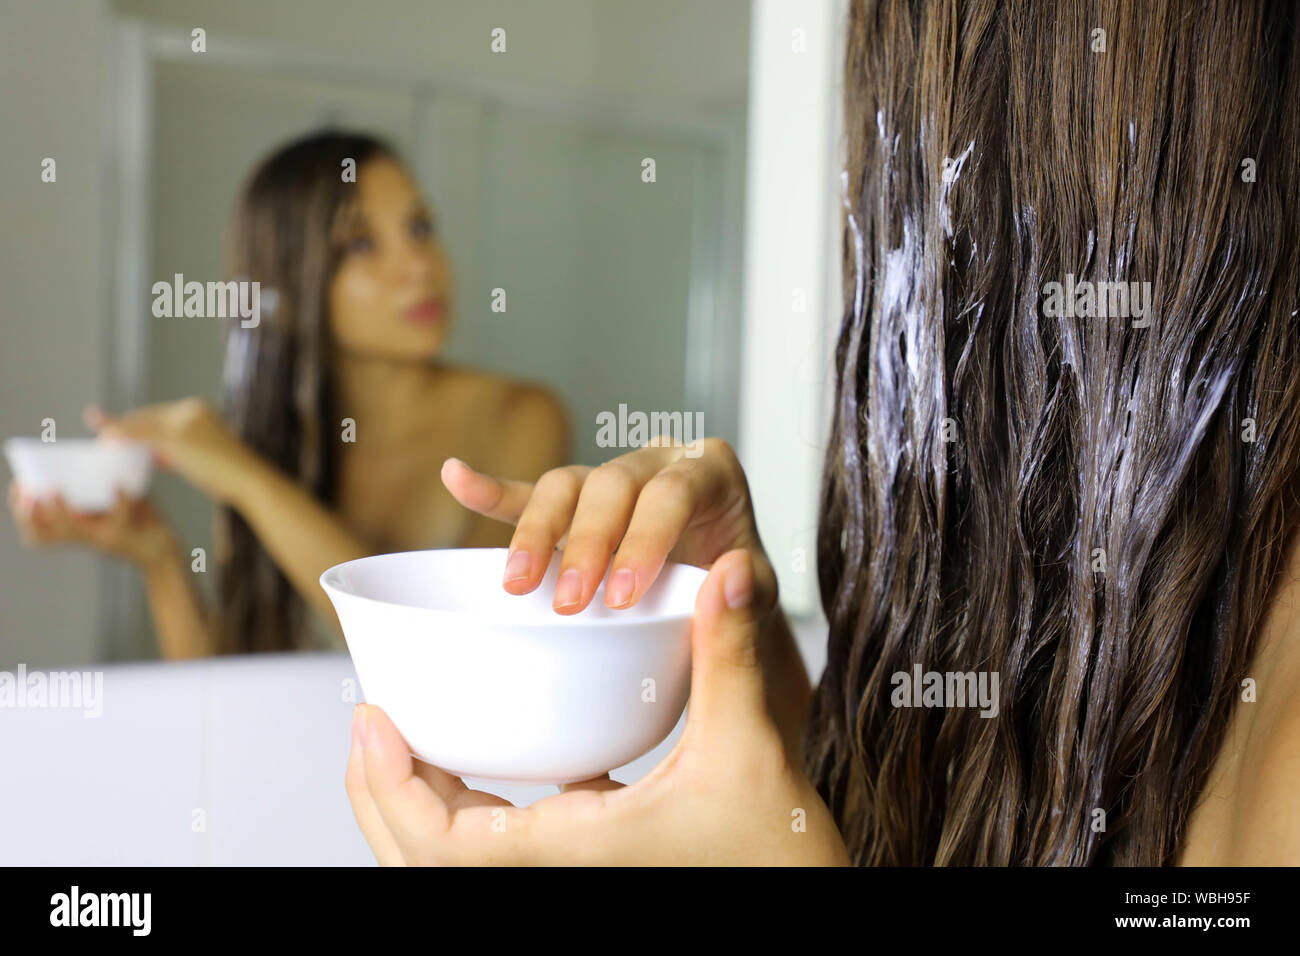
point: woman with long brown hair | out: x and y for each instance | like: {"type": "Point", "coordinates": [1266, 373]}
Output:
{"type": "Point", "coordinates": [1093, 507]}
{"type": "Point", "coordinates": [337, 410]}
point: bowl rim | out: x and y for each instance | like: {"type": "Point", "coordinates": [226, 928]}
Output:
{"type": "Point", "coordinates": [552, 620]}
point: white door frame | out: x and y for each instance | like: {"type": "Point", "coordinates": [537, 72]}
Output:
{"type": "Point", "coordinates": [793, 215]}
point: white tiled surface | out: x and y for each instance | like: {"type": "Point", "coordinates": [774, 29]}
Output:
{"type": "Point", "coordinates": [257, 744]}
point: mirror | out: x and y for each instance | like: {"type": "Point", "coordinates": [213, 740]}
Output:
{"type": "Point", "coordinates": [585, 165]}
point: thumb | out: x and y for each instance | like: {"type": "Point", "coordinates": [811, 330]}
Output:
{"type": "Point", "coordinates": [726, 666]}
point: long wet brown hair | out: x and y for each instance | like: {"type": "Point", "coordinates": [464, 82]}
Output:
{"type": "Point", "coordinates": [1106, 522]}
{"type": "Point", "coordinates": [276, 388]}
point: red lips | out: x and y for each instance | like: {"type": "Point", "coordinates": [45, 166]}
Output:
{"type": "Point", "coordinates": [430, 310]}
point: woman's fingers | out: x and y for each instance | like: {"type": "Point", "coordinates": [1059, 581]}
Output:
{"type": "Point", "coordinates": [450, 790]}
{"type": "Point", "coordinates": [27, 517]}
{"type": "Point", "coordinates": [414, 815]}
{"type": "Point", "coordinates": [94, 417]}
{"type": "Point", "coordinates": [498, 498]}
{"type": "Point", "coordinates": [100, 421]}
{"type": "Point", "coordinates": [605, 505]}
{"type": "Point", "coordinates": [369, 819]}
{"type": "Point", "coordinates": [728, 696]}
{"type": "Point", "coordinates": [149, 425]}
{"type": "Point", "coordinates": [541, 513]}
{"type": "Point", "coordinates": [145, 424]}
{"type": "Point", "coordinates": [419, 805]}
{"type": "Point", "coordinates": [666, 506]}
{"type": "Point", "coordinates": [58, 519]}
{"type": "Point", "coordinates": [639, 505]}
{"type": "Point", "coordinates": [543, 526]}
{"type": "Point", "coordinates": [692, 493]}
{"type": "Point", "coordinates": [20, 506]}
{"type": "Point", "coordinates": [604, 508]}
{"type": "Point", "coordinates": [103, 530]}
{"type": "Point", "coordinates": [119, 518]}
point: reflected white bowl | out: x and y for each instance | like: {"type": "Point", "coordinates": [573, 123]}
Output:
{"type": "Point", "coordinates": [86, 471]}
{"type": "Point", "coordinates": [488, 684]}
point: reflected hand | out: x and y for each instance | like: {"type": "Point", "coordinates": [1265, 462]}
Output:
{"type": "Point", "coordinates": [133, 529]}
{"type": "Point", "coordinates": [188, 437]}
{"type": "Point", "coordinates": [726, 794]}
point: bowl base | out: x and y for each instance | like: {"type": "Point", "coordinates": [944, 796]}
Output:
{"type": "Point", "coordinates": [512, 781]}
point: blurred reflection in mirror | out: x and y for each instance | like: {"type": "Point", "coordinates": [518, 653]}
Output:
{"type": "Point", "coordinates": [337, 411]}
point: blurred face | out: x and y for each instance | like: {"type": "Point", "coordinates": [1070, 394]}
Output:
{"type": "Point", "coordinates": [391, 295]}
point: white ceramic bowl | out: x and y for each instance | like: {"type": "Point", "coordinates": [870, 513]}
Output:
{"type": "Point", "coordinates": [488, 684]}
{"type": "Point", "coordinates": [86, 471]}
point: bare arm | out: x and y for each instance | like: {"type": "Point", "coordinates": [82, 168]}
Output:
{"type": "Point", "coordinates": [136, 532]}
{"type": "Point", "coordinates": [301, 535]}
{"type": "Point", "coordinates": [177, 611]}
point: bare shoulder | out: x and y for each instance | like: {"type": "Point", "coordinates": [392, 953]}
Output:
{"type": "Point", "coordinates": [521, 427]}
{"type": "Point", "coordinates": [533, 404]}
{"type": "Point", "coordinates": [1270, 805]}
{"type": "Point", "coordinates": [535, 431]}
{"type": "Point", "coordinates": [497, 392]}
{"type": "Point", "coordinates": [1249, 812]}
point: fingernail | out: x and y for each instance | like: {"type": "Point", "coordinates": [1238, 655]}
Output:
{"type": "Point", "coordinates": [621, 585]}
{"type": "Point", "coordinates": [569, 590]}
{"type": "Point", "coordinates": [359, 724]}
{"type": "Point", "coordinates": [518, 565]}
{"type": "Point", "coordinates": [738, 585]}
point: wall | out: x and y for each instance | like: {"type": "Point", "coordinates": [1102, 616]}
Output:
{"type": "Point", "coordinates": [54, 317]}
{"type": "Point", "coordinates": [634, 54]}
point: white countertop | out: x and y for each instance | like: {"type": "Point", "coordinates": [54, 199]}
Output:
{"type": "Point", "coordinates": [225, 761]}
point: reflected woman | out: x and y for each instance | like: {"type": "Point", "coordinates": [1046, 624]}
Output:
{"type": "Point", "coordinates": [359, 316]}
